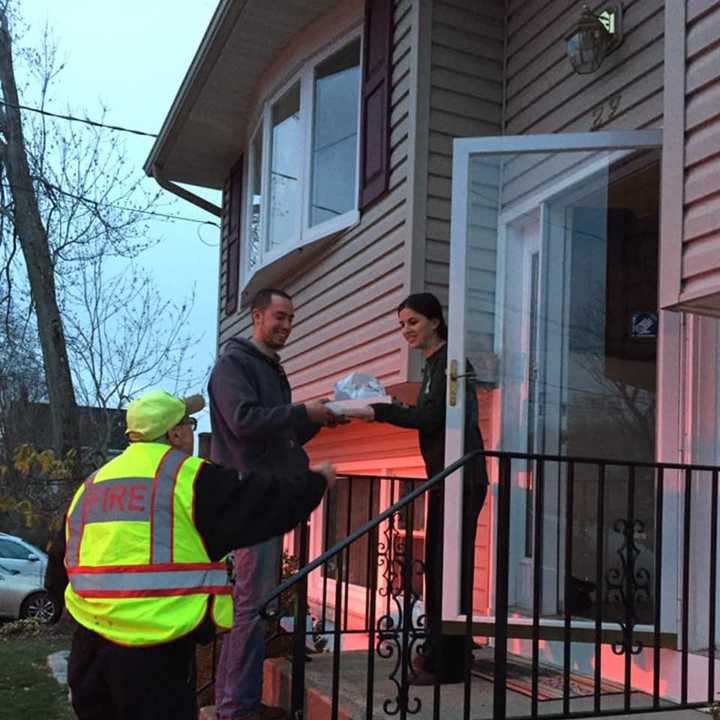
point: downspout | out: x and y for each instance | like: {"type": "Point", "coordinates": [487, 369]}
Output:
{"type": "Point", "coordinates": [175, 189]}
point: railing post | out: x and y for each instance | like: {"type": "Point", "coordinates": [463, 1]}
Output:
{"type": "Point", "coordinates": [713, 585]}
{"type": "Point", "coordinates": [408, 604]}
{"type": "Point", "coordinates": [567, 621]}
{"type": "Point", "coordinates": [659, 493]}
{"type": "Point", "coordinates": [685, 613]}
{"type": "Point", "coordinates": [297, 699]}
{"type": "Point", "coordinates": [502, 569]}
{"type": "Point", "coordinates": [599, 579]}
{"type": "Point", "coordinates": [538, 538]}
{"type": "Point", "coordinates": [436, 605]}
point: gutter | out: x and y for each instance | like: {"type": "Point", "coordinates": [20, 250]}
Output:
{"type": "Point", "coordinates": [191, 197]}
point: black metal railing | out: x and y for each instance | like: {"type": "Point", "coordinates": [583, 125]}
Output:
{"type": "Point", "coordinates": [589, 599]}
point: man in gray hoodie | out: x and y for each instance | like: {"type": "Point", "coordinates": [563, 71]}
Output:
{"type": "Point", "coordinates": [255, 424]}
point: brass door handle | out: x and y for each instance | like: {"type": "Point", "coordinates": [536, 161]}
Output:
{"type": "Point", "coordinates": [454, 377]}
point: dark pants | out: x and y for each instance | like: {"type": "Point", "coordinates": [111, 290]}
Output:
{"type": "Point", "coordinates": [114, 682]}
{"type": "Point", "coordinates": [448, 659]}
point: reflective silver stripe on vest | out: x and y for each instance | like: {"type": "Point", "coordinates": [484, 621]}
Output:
{"type": "Point", "coordinates": [75, 526]}
{"type": "Point", "coordinates": [161, 546]}
{"type": "Point", "coordinates": [130, 498]}
{"type": "Point", "coordinates": [147, 582]}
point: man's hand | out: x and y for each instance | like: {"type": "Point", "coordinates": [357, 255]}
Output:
{"type": "Point", "coordinates": [320, 414]}
{"type": "Point", "coordinates": [327, 470]}
{"type": "Point", "coordinates": [338, 420]}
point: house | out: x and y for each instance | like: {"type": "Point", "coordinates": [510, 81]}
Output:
{"type": "Point", "coordinates": [567, 216]}
{"type": "Point", "coordinates": [102, 430]}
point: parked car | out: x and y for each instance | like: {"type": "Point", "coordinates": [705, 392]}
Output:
{"type": "Point", "coordinates": [22, 574]}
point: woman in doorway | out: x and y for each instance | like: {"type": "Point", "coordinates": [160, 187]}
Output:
{"type": "Point", "coordinates": [423, 327]}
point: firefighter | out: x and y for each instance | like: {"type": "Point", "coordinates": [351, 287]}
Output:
{"type": "Point", "coordinates": [145, 543]}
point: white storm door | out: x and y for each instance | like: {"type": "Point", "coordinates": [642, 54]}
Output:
{"type": "Point", "coordinates": [519, 205]}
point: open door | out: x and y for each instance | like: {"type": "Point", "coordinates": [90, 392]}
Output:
{"type": "Point", "coordinates": [553, 298]}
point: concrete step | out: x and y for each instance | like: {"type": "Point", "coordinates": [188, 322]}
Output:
{"type": "Point", "coordinates": [276, 691]}
{"type": "Point", "coordinates": [352, 693]}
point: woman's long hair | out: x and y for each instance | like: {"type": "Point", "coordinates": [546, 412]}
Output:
{"type": "Point", "coordinates": [429, 306]}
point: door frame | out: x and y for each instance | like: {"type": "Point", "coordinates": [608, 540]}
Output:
{"type": "Point", "coordinates": [668, 342]}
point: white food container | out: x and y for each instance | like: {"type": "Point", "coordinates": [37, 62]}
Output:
{"type": "Point", "coordinates": [354, 408]}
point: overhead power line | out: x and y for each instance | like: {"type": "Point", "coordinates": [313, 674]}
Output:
{"type": "Point", "coordinates": [99, 203]}
{"type": "Point", "coordinates": [86, 121]}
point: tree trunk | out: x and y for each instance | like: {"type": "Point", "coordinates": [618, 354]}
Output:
{"type": "Point", "coordinates": [33, 240]}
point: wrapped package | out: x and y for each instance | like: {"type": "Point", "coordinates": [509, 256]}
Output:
{"type": "Point", "coordinates": [354, 393]}
{"type": "Point", "coordinates": [358, 385]}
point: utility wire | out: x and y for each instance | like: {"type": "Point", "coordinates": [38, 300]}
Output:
{"type": "Point", "coordinates": [86, 121]}
{"type": "Point", "coordinates": [98, 203]}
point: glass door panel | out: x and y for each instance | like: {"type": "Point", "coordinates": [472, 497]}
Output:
{"type": "Point", "coordinates": [554, 300]}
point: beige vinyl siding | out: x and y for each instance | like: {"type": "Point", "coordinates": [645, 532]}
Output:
{"type": "Point", "coordinates": [346, 294]}
{"type": "Point", "coordinates": [701, 224]}
{"type": "Point", "coordinates": [465, 100]}
{"type": "Point", "coordinates": [544, 95]}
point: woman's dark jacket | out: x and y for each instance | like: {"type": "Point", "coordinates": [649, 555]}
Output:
{"type": "Point", "coordinates": [428, 417]}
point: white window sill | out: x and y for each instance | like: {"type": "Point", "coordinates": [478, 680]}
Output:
{"type": "Point", "coordinates": [283, 261]}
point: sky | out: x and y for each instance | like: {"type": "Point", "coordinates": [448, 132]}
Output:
{"type": "Point", "coordinates": [131, 57]}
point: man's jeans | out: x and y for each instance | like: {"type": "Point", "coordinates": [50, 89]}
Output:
{"type": "Point", "coordinates": [238, 687]}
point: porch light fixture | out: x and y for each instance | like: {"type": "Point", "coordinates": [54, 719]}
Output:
{"type": "Point", "coordinates": [593, 37]}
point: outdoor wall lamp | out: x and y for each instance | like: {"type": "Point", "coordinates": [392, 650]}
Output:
{"type": "Point", "coordinates": [593, 37]}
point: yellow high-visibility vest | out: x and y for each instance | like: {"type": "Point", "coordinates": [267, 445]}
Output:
{"type": "Point", "coordinates": [138, 570]}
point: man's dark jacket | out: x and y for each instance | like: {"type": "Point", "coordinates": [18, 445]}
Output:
{"type": "Point", "coordinates": [254, 423]}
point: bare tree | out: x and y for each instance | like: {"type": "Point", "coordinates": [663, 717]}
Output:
{"type": "Point", "coordinates": [123, 339]}
{"type": "Point", "coordinates": [21, 381]}
{"type": "Point", "coordinates": [33, 240]}
{"type": "Point", "coordinates": [74, 199]}
{"type": "Point", "coordinates": [80, 320]}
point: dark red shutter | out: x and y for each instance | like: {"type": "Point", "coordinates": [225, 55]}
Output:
{"type": "Point", "coordinates": [232, 222]}
{"type": "Point", "coordinates": [375, 117]}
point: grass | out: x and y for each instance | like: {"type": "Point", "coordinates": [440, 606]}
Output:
{"type": "Point", "coordinates": [27, 689]}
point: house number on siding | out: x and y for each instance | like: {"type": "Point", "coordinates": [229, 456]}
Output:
{"type": "Point", "coordinates": [605, 111]}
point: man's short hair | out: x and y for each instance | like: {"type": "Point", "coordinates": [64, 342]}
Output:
{"type": "Point", "coordinates": [263, 298]}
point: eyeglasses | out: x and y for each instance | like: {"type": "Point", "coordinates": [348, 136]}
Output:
{"type": "Point", "coordinates": [191, 421]}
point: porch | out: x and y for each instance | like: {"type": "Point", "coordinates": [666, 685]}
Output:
{"type": "Point", "coordinates": [353, 686]}
{"type": "Point", "coordinates": [642, 639]}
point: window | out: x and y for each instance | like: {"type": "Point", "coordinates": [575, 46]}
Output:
{"type": "Point", "coordinates": [303, 163]}
{"type": "Point", "coordinates": [285, 172]}
{"type": "Point", "coordinates": [254, 235]}
{"type": "Point", "coordinates": [13, 550]}
{"type": "Point", "coordinates": [335, 135]}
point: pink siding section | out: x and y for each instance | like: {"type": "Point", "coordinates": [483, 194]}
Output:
{"type": "Point", "coordinates": [363, 442]}
{"type": "Point", "coordinates": [701, 222]}
{"type": "Point", "coordinates": [381, 443]}
{"type": "Point", "coordinates": [489, 412]}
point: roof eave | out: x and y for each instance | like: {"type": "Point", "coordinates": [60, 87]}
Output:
{"type": "Point", "coordinates": [207, 54]}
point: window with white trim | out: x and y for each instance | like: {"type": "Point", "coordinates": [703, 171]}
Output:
{"type": "Point", "coordinates": [254, 233]}
{"type": "Point", "coordinates": [335, 135]}
{"type": "Point", "coordinates": [303, 159]}
{"type": "Point", "coordinates": [286, 150]}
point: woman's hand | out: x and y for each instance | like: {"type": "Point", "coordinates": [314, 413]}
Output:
{"type": "Point", "coordinates": [365, 413]}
